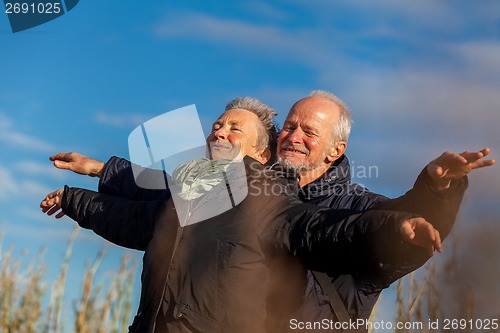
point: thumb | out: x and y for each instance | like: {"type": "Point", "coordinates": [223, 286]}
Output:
{"type": "Point", "coordinates": [435, 170]}
{"type": "Point", "coordinates": [438, 171]}
{"type": "Point", "coordinates": [406, 231]}
{"type": "Point", "coordinates": [62, 165]}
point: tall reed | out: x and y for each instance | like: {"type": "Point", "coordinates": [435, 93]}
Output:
{"type": "Point", "coordinates": [104, 307]}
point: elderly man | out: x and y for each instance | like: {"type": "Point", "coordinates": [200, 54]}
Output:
{"type": "Point", "coordinates": [216, 275]}
{"type": "Point", "coordinates": [311, 145]}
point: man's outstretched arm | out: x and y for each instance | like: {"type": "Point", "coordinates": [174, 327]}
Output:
{"type": "Point", "coordinates": [438, 190]}
{"type": "Point", "coordinates": [329, 239]}
{"type": "Point", "coordinates": [451, 166]}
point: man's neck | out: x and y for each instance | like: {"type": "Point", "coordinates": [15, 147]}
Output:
{"type": "Point", "coordinates": [307, 177]}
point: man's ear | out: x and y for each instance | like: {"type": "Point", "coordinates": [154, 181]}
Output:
{"type": "Point", "coordinates": [336, 151]}
{"type": "Point", "coordinates": [264, 156]}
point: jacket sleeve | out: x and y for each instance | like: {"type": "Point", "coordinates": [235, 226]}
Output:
{"type": "Point", "coordinates": [326, 239]}
{"type": "Point", "coordinates": [123, 222]}
{"type": "Point", "coordinates": [118, 179]}
{"type": "Point", "coordinates": [439, 207]}
{"type": "Point", "coordinates": [355, 242]}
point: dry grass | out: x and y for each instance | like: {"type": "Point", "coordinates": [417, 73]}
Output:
{"type": "Point", "coordinates": [444, 291]}
{"type": "Point", "coordinates": [100, 308]}
{"type": "Point", "coordinates": [438, 292]}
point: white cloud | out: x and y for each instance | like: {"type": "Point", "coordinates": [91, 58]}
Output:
{"type": "Point", "coordinates": [330, 51]}
{"type": "Point", "coordinates": [299, 44]}
{"type": "Point", "coordinates": [4, 122]}
{"type": "Point", "coordinates": [24, 141]}
{"type": "Point", "coordinates": [404, 18]}
{"type": "Point", "coordinates": [264, 9]}
{"type": "Point", "coordinates": [122, 120]}
{"type": "Point", "coordinates": [14, 187]}
{"type": "Point", "coordinates": [47, 228]}
{"type": "Point", "coordinates": [9, 186]}
{"type": "Point", "coordinates": [482, 55]}
{"type": "Point", "coordinates": [35, 214]}
{"type": "Point", "coordinates": [334, 52]}
{"type": "Point", "coordinates": [443, 97]}
{"type": "Point", "coordinates": [13, 137]}
{"type": "Point", "coordinates": [34, 189]}
{"type": "Point", "coordinates": [32, 168]}
{"type": "Point", "coordinates": [409, 111]}
{"type": "Point", "coordinates": [428, 97]}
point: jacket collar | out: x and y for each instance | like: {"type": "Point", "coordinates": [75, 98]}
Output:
{"type": "Point", "coordinates": [338, 175]}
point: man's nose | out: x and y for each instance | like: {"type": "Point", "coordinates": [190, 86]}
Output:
{"type": "Point", "coordinates": [295, 136]}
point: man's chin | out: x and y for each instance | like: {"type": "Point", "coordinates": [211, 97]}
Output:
{"type": "Point", "coordinates": [296, 165]}
{"type": "Point", "coordinates": [290, 164]}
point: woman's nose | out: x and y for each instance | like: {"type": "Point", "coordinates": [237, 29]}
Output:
{"type": "Point", "coordinates": [221, 133]}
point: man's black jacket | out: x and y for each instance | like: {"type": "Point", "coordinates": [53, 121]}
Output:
{"type": "Point", "coordinates": [218, 275]}
{"type": "Point", "coordinates": [359, 288]}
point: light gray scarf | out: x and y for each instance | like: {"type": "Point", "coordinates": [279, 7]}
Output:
{"type": "Point", "coordinates": [197, 177]}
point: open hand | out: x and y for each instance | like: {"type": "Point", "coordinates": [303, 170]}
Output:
{"type": "Point", "coordinates": [450, 166]}
{"type": "Point", "coordinates": [78, 163]}
{"type": "Point", "coordinates": [52, 203]}
{"type": "Point", "coordinates": [419, 232]}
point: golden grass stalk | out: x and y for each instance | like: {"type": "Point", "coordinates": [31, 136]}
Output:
{"type": "Point", "coordinates": [22, 289]}
{"type": "Point", "coordinates": [54, 313]}
{"type": "Point", "coordinates": [29, 310]}
{"type": "Point", "coordinates": [83, 315]}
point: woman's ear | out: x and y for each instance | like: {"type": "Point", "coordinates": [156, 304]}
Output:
{"type": "Point", "coordinates": [264, 156]}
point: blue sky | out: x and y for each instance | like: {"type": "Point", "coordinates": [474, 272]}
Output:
{"type": "Point", "coordinates": [420, 78]}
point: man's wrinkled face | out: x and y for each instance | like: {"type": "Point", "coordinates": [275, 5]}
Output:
{"type": "Point", "coordinates": [306, 137]}
{"type": "Point", "coordinates": [234, 135]}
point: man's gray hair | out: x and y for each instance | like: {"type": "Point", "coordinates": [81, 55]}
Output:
{"type": "Point", "coordinates": [268, 138]}
{"type": "Point", "coordinates": [342, 128]}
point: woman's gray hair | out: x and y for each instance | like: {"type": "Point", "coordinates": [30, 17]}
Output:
{"type": "Point", "coordinates": [268, 137]}
{"type": "Point", "coordinates": [342, 128]}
